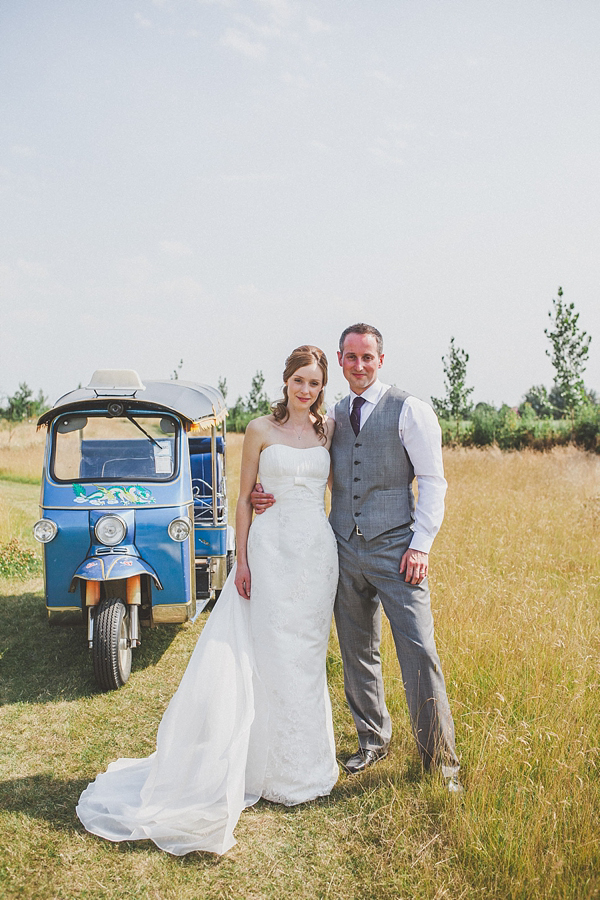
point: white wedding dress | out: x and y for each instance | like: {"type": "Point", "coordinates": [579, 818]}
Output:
{"type": "Point", "coordinates": [252, 716]}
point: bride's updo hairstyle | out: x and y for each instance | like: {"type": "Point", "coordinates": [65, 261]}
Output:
{"type": "Point", "coordinates": [306, 355]}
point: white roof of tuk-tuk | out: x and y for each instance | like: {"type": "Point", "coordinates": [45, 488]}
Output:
{"type": "Point", "coordinates": [196, 403]}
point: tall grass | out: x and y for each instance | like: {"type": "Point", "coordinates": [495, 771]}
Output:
{"type": "Point", "coordinates": [516, 591]}
{"type": "Point", "coordinates": [21, 452]}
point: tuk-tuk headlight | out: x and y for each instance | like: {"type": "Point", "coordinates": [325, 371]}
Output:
{"type": "Point", "coordinates": [45, 530]}
{"type": "Point", "coordinates": [179, 529]}
{"type": "Point", "coordinates": [110, 530]}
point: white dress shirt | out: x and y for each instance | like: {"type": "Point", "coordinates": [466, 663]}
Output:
{"type": "Point", "coordinates": [421, 437]}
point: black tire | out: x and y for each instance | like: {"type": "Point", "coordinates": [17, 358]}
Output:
{"type": "Point", "coordinates": [229, 560]}
{"type": "Point", "coordinates": [111, 651]}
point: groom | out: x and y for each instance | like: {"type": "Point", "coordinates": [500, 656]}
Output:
{"type": "Point", "coordinates": [384, 438]}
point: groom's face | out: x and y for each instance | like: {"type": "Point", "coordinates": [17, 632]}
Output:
{"type": "Point", "coordinates": [360, 361]}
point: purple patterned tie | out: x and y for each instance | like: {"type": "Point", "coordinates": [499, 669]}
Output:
{"type": "Point", "coordinates": [355, 414]}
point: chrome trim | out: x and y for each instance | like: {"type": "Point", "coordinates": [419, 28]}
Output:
{"type": "Point", "coordinates": [64, 615]}
{"type": "Point", "coordinates": [218, 572]}
{"type": "Point", "coordinates": [110, 515]}
{"type": "Point", "coordinates": [54, 529]}
{"type": "Point", "coordinates": [171, 613]}
{"type": "Point", "coordinates": [90, 627]}
{"type": "Point", "coordinates": [134, 626]}
{"type": "Point", "coordinates": [104, 550]}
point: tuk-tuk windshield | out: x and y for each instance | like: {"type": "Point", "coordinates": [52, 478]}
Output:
{"type": "Point", "coordinates": [96, 447]}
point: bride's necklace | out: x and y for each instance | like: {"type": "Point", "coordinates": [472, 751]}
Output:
{"type": "Point", "coordinates": [299, 433]}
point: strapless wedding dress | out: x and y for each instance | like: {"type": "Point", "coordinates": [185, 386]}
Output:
{"type": "Point", "coordinates": [252, 716]}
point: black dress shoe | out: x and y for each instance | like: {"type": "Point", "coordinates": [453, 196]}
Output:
{"type": "Point", "coordinates": [363, 759]}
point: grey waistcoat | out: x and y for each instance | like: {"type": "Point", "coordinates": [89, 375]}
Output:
{"type": "Point", "coordinates": [372, 473]}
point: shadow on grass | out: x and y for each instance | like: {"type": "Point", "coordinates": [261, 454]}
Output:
{"type": "Point", "coordinates": [43, 797]}
{"type": "Point", "coordinates": [43, 664]}
{"type": "Point", "coordinates": [54, 800]}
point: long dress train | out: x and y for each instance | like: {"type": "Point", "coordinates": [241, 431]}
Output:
{"type": "Point", "coordinates": [252, 716]}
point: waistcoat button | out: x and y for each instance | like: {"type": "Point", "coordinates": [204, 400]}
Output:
{"type": "Point", "coordinates": [357, 462]}
{"type": "Point", "coordinates": [357, 479]}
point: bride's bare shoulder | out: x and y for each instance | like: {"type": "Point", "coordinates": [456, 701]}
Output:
{"type": "Point", "coordinates": [260, 429]}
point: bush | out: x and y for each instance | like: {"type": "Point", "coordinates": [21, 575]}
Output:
{"type": "Point", "coordinates": [515, 429]}
{"type": "Point", "coordinates": [484, 425]}
{"type": "Point", "coordinates": [586, 428]}
{"type": "Point", "coordinates": [17, 561]}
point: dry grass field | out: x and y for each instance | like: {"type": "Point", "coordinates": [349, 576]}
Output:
{"type": "Point", "coordinates": [516, 589]}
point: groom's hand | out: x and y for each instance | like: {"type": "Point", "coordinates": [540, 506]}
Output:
{"type": "Point", "coordinates": [416, 565]}
{"type": "Point", "coordinates": [259, 500]}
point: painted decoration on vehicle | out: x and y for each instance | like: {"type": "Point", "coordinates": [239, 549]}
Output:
{"type": "Point", "coordinates": [118, 495]}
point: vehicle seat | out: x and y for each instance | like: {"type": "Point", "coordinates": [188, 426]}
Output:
{"type": "Point", "coordinates": [200, 463]}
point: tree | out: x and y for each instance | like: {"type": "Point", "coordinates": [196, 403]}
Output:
{"type": "Point", "coordinates": [176, 371]}
{"type": "Point", "coordinates": [570, 348]}
{"type": "Point", "coordinates": [222, 385]}
{"type": "Point", "coordinates": [257, 403]}
{"type": "Point", "coordinates": [541, 403]}
{"type": "Point", "coordinates": [455, 405]}
{"type": "Point", "coordinates": [23, 405]}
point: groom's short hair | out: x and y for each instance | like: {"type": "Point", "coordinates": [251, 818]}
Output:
{"type": "Point", "coordinates": [361, 328]}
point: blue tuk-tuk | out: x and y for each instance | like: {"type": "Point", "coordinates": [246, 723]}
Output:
{"type": "Point", "coordinates": [133, 510]}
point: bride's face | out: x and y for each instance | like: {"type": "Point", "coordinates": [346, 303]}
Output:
{"type": "Point", "coordinates": [304, 386]}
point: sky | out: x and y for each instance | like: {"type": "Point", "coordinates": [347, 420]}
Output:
{"type": "Point", "coordinates": [219, 181]}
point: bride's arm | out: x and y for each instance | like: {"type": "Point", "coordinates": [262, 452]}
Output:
{"type": "Point", "coordinates": [253, 442]}
{"type": "Point", "coordinates": [329, 426]}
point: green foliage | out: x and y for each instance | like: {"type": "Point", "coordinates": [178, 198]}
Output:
{"type": "Point", "coordinates": [455, 405]}
{"type": "Point", "coordinates": [484, 425]}
{"type": "Point", "coordinates": [222, 385]}
{"type": "Point", "coordinates": [586, 428]}
{"type": "Point", "coordinates": [17, 561]}
{"type": "Point", "coordinates": [514, 429]}
{"type": "Point", "coordinates": [176, 371]}
{"type": "Point", "coordinates": [538, 399]}
{"type": "Point", "coordinates": [256, 404]}
{"type": "Point", "coordinates": [23, 405]}
{"type": "Point", "coordinates": [570, 348]}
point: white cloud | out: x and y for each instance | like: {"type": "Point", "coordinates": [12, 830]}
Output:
{"type": "Point", "coordinates": [252, 177]}
{"type": "Point", "coordinates": [316, 26]}
{"type": "Point", "coordinates": [175, 248]}
{"type": "Point", "coordinates": [295, 80]}
{"type": "Point", "coordinates": [265, 31]}
{"type": "Point", "coordinates": [386, 151]}
{"type": "Point", "coordinates": [23, 151]}
{"type": "Point", "coordinates": [142, 21]}
{"type": "Point", "coordinates": [280, 11]}
{"type": "Point", "coordinates": [378, 75]}
{"type": "Point", "coordinates": [239, 42]}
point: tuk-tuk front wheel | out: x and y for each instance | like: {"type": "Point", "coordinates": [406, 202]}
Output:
{"type": "Point", "coordinates": [111, 650]}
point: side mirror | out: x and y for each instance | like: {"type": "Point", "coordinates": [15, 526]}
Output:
{"type": "Point", "coordinates": [71, 423]}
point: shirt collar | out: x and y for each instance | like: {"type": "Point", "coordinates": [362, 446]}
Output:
{"type": "Point", "coordinates": [373, 393]}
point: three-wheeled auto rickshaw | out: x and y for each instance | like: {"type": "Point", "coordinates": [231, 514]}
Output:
{"type": "Point", "coordinates": [133, 510]}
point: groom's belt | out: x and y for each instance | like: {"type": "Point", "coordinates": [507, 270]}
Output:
{"type": "Point", "coordinates": [404, 525]}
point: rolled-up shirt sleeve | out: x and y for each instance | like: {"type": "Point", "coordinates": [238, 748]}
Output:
{"type": "Point", "coordinates": [421, 437]}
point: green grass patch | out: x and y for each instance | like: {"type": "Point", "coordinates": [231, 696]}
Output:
{"type": "Point", "coordinates": [19, 479]}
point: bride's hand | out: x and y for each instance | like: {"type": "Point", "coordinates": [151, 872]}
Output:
{"type": "Point", "coordinates": [242, 580]}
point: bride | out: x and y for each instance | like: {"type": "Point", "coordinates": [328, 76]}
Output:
{"type": "Point", "coordinates": [252, 716]}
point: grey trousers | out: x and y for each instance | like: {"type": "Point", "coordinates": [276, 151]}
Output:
{"type": "Point", "coordinates": [369, 577]}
